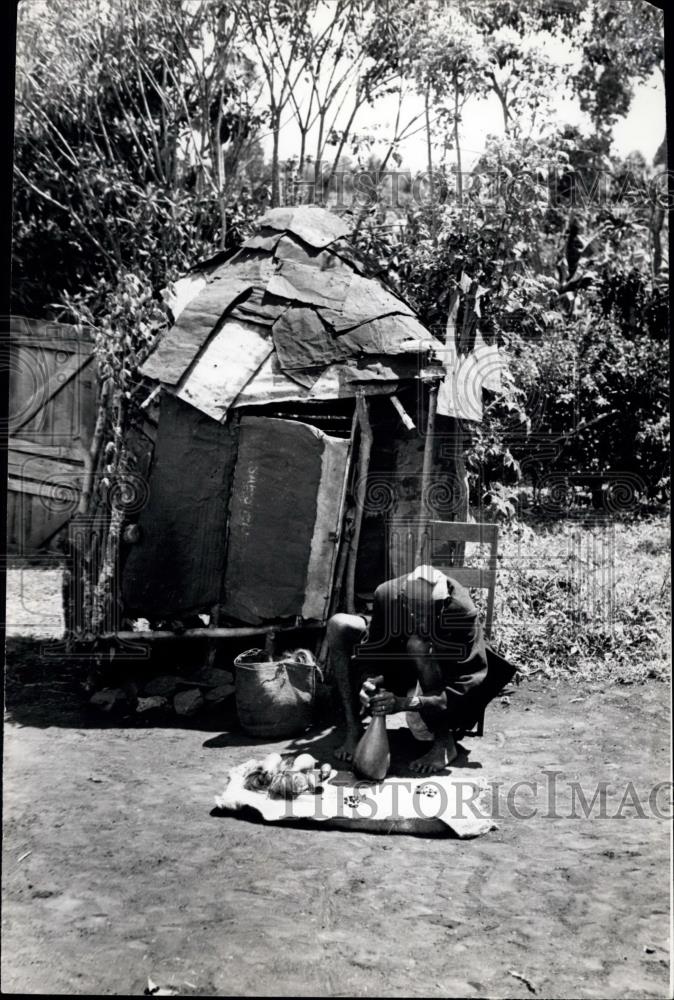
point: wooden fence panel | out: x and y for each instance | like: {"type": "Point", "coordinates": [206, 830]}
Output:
{"type": "Point", "coordinates": [52, 412]}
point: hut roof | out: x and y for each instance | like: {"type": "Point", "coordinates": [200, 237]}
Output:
{"type": "Point", "coordinates": [290, 315]}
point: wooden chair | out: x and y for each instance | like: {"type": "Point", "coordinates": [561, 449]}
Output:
{"type": "Point", "coordinates": [436, 547]}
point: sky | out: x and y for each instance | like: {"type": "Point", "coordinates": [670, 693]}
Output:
{"type": "Point", "coordinates": [642, 129]}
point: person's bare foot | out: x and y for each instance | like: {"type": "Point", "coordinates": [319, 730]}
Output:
{"type": "Point", "coordinates": [348, 747]}
{"type": "Point", "coordinates": [440, 756]}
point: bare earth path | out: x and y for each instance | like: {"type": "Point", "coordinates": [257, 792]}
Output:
{"type": "Point", "coordinates": [130, 875]}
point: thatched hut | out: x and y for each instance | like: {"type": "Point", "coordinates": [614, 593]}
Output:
{"type": "Point", "coordinates": [292, 449]}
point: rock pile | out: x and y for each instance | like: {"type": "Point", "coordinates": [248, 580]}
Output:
{"type": "Point", "coordinates": [182, 695]}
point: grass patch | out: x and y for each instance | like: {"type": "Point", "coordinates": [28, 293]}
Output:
{"type": "Point", "coordinates": [586, 597]}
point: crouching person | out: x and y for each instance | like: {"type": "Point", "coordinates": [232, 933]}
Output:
{"type": "Point", "coordinates": [426, 642]}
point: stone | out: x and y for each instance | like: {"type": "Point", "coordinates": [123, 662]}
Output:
{"type": "Point", "coordinates": [165, 686]}
{"type": "Point", "coordinates": [213, 677]}
{"type": "Point", "coordinates": [218, 694]}
{"type": "Point", "coordinates": [152, 704]}
{"type": "Point", "coordinates": [188, 702]}
{"type": "Point", "coordinates": [108, 699]}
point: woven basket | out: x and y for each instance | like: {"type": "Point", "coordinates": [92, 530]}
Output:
{"type": "Point", "coordinates": [275, 698]}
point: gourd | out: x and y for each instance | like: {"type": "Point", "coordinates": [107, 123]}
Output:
{"type": "Point", "coordinates": [372, 756]}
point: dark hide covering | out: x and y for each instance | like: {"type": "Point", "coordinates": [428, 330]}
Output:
{"type": "Point", "coordinates": [177, 566]}
{"type": "Point", "coordinates": [283, 515]}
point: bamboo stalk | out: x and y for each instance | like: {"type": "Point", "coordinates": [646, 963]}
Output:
{"type": "Point", "coordinates": [361, 490]}
{"type": "Point", "coordinates": [426, 468]}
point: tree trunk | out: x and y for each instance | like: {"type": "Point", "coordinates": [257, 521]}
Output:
{"type": "Point", "coordinates": [656, 230]}
{"type": "Point", "coordinates": [275, 193]}
{"type": "Point", "coordinates": [429, 154]}
{"type": "Point", "coordinates": [457, 144]}
{"type": "Point", "coordinates": [317, 162]}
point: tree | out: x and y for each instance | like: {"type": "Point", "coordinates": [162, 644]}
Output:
{"type": "Point", "coordinates": [127, 115]}
{"type": "Point", "coordinates": [623, 44]}
{"type": "Point", "coordinates": [316, 61]}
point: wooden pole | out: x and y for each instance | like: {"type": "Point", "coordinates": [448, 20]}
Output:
{"type": "Point", "coordinates": [361, 491]}
{"type": "Point", "coordinates": [460, 474]}
{"type": "Point", "coordinates": [426, 469]}
{"type": "Point", "coordinates": [344, 542]}
{"type": "Point", "coordinates": [403, 414]}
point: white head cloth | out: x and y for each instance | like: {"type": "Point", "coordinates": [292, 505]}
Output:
{"type": "Point", "coordinates": [434, 576]}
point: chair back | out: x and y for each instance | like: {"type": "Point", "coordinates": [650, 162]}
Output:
{"type": "Point", "coordinates": [441, 533]}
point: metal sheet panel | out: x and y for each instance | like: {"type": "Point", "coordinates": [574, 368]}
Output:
{"type": "Point", "coordinates": [290, 248]}
{"type": "Point", "coordinates": [314, 225]}
{"type": "Point", "coordinates": [270, 384]}
{"type": "Point", "coordinates": [305, 283]}
{"type": "Point", "coordinates": [286, 501]}
{"type": "Point", "coordinates": [389, 335]}
{"type": "Point", "coordinates": [225, 366]}
{"type": "Point", "coordinates": [179, 346]}
{"type": "Point", "coordinates": [177, 566]}
{"type": "Point", "coordinates": [466, 375]}
{"type": "Point", "coordinates": [303, 341]}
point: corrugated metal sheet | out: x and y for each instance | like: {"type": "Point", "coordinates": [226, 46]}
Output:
{"type": "Point", "coordinates": [304, 283]}
{"type": "Point", "coordinates": [302, 340]}
{"type": "Point", "coordinates": [286, 502]}
{"type": "Point", "coordinates": [388, 335]}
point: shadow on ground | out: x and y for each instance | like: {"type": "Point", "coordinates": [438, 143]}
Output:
{"type": "Point", "coordinates": [322, 743]}
{"type": "Point", "coordinates": [44, 687]}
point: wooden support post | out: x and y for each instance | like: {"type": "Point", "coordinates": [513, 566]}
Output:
{"type": "Point", "coordinates": [344, 542]}
{"type": "Point", "coordinates": [426, 470]}
{"type": "Point", "coordinates": [460, 484]}
{"type": "Point", "coordinates": [212, 645]}
{"type": "Point", "coordinates": [361, 491]}
{"type": "Point", "coordinates": [270, 643]}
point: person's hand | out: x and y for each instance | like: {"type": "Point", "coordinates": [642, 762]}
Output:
{"type": "Point", "coordinates": [366, 692]}
{"type": "Point", "coordinates": [386, 703]}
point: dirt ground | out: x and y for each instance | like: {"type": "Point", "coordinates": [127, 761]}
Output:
{"type": "Point", "coordinates": [115, 867]}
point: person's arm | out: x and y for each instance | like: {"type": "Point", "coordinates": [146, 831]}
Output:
{"type": "Point", "coordinates": [386, 703]}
